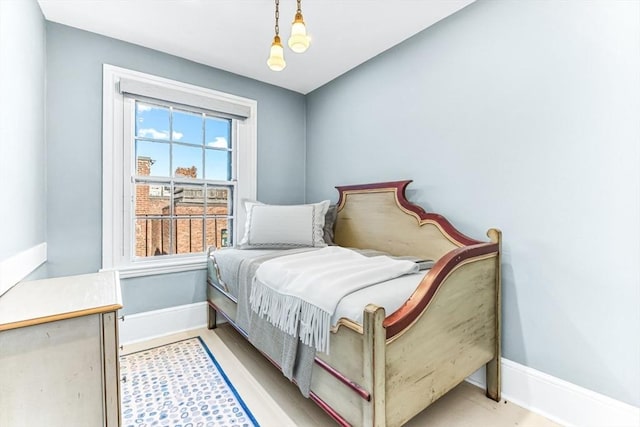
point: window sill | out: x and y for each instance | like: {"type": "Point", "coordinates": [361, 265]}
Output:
{"type": "Point", "coordinates": [152, 268]}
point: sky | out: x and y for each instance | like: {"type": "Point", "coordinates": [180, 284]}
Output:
{"type": "Point", "coordinates": [187, 144]}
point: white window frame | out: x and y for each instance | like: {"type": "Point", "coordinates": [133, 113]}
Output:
{"type": "Point", "coordinates": [116, 211]}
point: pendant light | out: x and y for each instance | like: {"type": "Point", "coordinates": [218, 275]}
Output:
{"type": "Point", "coordinates": [299, 41]}
{"type": "Point", "coordinates": [276, 56]}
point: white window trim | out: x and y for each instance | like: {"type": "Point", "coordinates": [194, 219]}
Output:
{"type": "Point", "coordinates": [114, 215]}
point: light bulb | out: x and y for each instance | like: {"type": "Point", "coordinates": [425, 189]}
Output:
{"type": "Point", "coordinates": [276, 56]}
{"type": "Point", "coordinates": [299, 41]}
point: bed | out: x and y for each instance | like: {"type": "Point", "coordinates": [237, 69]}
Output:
{"type": "Point", "coordinates": [383, 367]}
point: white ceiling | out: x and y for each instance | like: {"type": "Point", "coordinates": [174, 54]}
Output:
{"type": "Point", "coordinates": [235, 35]}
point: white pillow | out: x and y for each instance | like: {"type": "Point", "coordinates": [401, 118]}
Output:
{"type": "Point", "coordinates": [284, 226]}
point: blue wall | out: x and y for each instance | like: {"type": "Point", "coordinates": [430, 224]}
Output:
{"type": "Point", "coordinates": [22, 127]}
{"type": "Point", "coordinates": [74, 159]}
{"type": "Point", "coordinates": [523, 116]}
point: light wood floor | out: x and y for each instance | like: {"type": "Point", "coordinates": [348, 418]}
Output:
{"type": "Point", "coordinates": [275, 402]}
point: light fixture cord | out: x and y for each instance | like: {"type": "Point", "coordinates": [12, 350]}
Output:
{"type": "Point", "coordinates": [277, 17]}
{"type": "Point", "coordinates": [299, 7]}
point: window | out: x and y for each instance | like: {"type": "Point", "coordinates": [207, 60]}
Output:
{"type": "Point", "coordinates": [183, 178]}
{"type": "Point", "coordinates": [176, 161]}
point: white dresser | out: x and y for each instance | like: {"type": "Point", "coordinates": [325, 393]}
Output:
{"type": "Point", "coordinates": [59, 352]}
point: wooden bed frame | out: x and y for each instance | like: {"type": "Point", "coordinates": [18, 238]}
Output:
{"type": "Point", "coordinates": [389, 368]}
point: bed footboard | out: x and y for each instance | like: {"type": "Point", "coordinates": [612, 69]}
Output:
{"type": "Point", "coordinates": [454, 335]}
{"type": "Point", "coordinates": [446, 331]}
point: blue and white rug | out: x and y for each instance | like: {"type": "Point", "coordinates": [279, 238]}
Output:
{"type": "Point", "coordinates": [179, 385]}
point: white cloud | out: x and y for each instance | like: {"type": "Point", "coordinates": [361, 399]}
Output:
{"type": "Point", "coordinates": [159, 134]}
{"type": "Point", "coordinates": [142, 107]}
{"type": "Point", "coordinates": [220, 142]}
{"type": "Point", "coordinates": [152, 133]}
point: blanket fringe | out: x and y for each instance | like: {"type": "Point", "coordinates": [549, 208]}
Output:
{"type": "Point", "coordinates": [287, 313]}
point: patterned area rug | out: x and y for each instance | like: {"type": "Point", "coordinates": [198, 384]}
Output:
{"type": "Point", "coordinates": [179, 385]}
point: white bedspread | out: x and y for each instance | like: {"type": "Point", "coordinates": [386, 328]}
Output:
{"type": "Point", "coordinates": [299, 293]}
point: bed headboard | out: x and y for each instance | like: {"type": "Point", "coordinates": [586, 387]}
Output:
{"type": "Point", "coordinates": [379, 216]}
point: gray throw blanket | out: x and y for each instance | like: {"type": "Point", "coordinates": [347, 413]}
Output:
{"type": "Point", "coordinates": [237, 269]}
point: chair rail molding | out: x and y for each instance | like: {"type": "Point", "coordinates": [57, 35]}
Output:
{"type": "Point", "coordinates": [20, 265]}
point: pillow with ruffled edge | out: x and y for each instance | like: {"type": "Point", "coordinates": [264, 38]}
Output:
{"type": "Point", "coordinates": [284, 226]}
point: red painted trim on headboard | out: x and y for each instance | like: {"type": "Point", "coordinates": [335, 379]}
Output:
{"type": "Point", "coordinates": [411, 309]}
{"type": "Point", "coordinates": [400, 187]}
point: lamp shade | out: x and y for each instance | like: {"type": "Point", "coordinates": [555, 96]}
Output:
{"type": "Point", "coordinates": [276, 56]}
{"type": "Point", "coordinates": [299, 41]}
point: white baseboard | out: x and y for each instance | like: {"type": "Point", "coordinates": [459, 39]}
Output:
{"type": "Point", "coordinates": [19, 266]}
{"type": "Point", "coordinates": [551, 397]}
{"type": "Point", "coordinates": [153, 324]}
{"type": "Point", "coordinates": [559, 400]}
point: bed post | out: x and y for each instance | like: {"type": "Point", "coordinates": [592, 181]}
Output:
{"type": "Point", "coordinates": [493, 367]}
{"type": "Point", "coordinates": [374, 359]}
{"type": "Point", "coordinates": [211, 317]}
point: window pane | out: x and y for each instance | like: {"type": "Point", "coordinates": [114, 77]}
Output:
{"type": "Point", "coordinates": [217, 165]}
{"type": "Point", "coordinates": [152, 237]}
{"type": "Point", "coordinates": [187, 127]}
{"type": "Point", "coordinates": [188, 200]}
{"type": "Point", "coordinates": [187, 161]}
{"type": "Point", "coordinates": [218, 199]}
{"type": "Point", "coordinates": [189, 235]}
{"type": "Point", "coordinates": [152, 199]}
{"type": "Point", "coordinates": [219, 232]}
{"type": "Point", "coordinates": [188, 205]}
{"type": "Point", "coordinates": [218, 132]}
{"type": "Point", "coordinates": [152, 121]}
{"type": "Point", "coordinates": [168, 236]}
{"type": "Point", "coordinates": [152, 158]}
